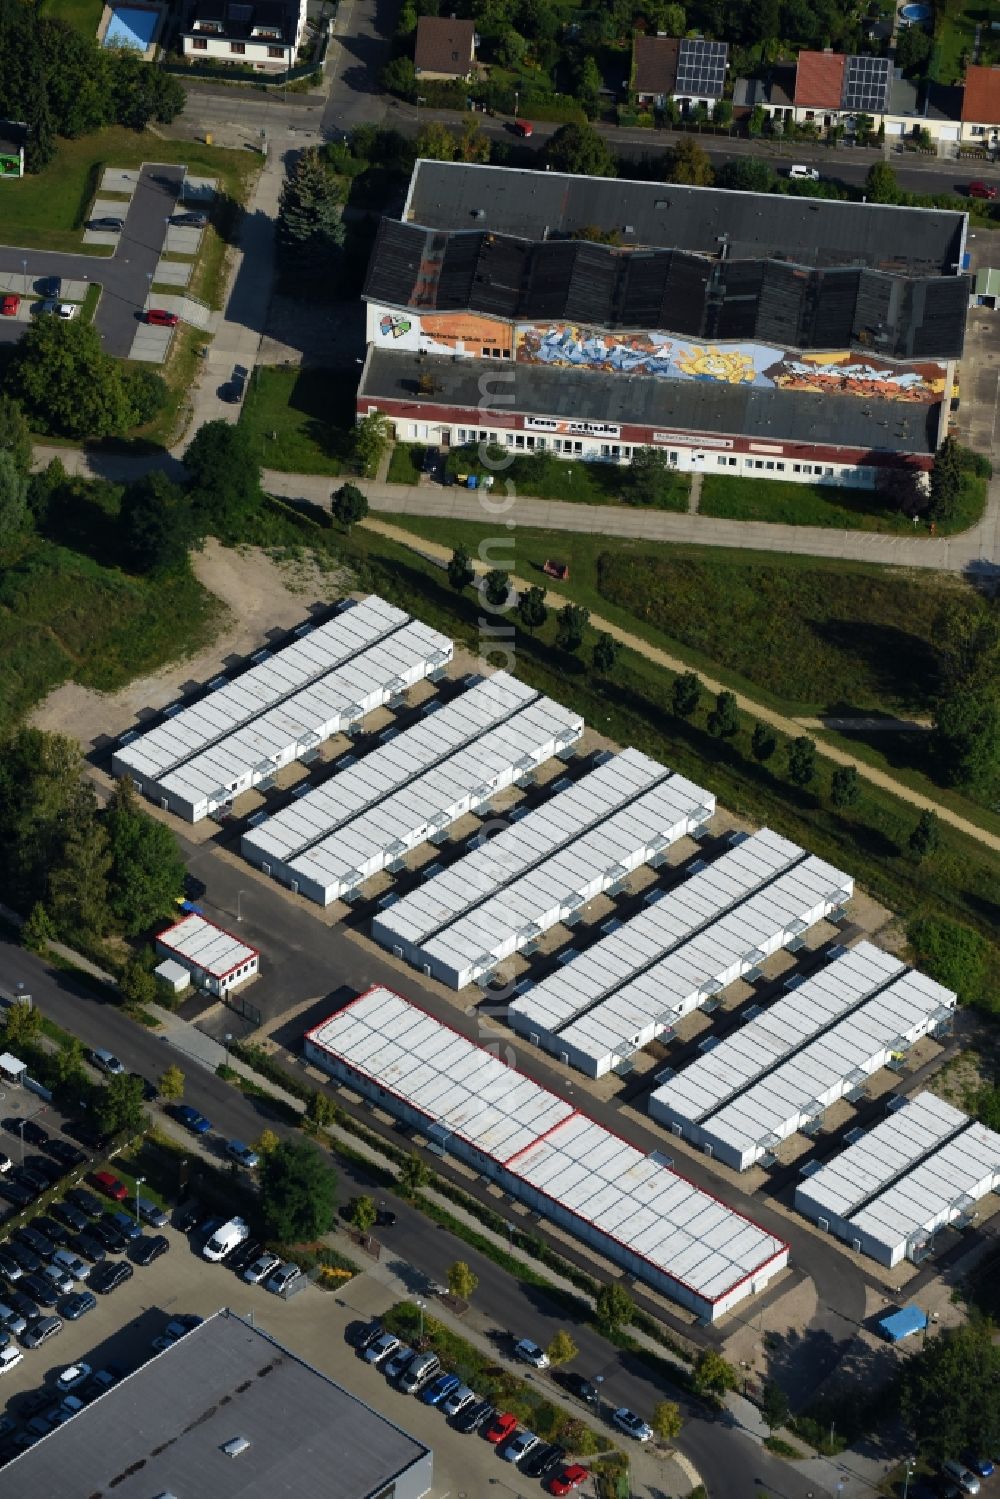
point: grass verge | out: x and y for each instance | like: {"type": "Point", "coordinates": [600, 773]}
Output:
{"type": "Point", "coordinates": [302, 420]}
{"type": "Point", "coordinates": [404, 464]}
{"type": "Point", "coordinates": [543, 476]}
{"type": "Point", "coordinates": [733, 498]}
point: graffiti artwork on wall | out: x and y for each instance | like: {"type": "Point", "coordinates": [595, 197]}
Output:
{"type": "Point", "coordinates": [394, 325]}
{"type": "Point", "coordinates": [444, 333]}
{"type": "Point", "coordinates": [567, 345]}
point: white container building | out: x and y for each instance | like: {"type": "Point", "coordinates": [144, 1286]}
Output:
{"type": "Point", "coordinates": [186, 732]}
{"type": "Point", "coordinates": [717, 926]}
{"type": "Point", "coordinates": [830, 1194]}
{"type": "Point", "coordinates": [398, 760]}
{"type": "Point", "coordinates": [531, 837]}
{"type": "Point", "coordinates": [382, 836]}
{"type": "Point", "coordinates": [335, 703]}
{"type": "Point", "coordinates": [794, 1093]}
{"type": "Point", "coordinates": [632, 1209]}
{"type": "Point", "coordinates": [216, 960]}
{"type": "Point", "coordinates": [560, 888]}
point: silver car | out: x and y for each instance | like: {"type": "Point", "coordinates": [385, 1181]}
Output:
{"type": "Point", "coordinates": [381, 1348]}
{"type": "Point", "coordinates": [261, 1268]}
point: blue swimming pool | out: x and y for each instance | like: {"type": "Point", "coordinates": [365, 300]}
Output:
{"type": "Point", "coordinates": [131, 28]}
{"type": "Point", "coordinates": [916, 12]}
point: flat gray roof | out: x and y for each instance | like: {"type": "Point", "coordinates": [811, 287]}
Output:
{"type": "Point", "coordinates": [811, 231]}
{"type": "Point", "coordinates": [162, 1430]}
{"type": "Point", "coordinates": [674, 405]}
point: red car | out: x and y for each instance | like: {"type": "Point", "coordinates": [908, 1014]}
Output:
{"type": "Point", "coordinates": [568, 1479]}
{"type": "Point", "coordinates": [981, 190]}
{"type": "Point", "coordinates": [524, 127]}
{"type": "Point", "coordinates": [9, 305]}
{"type": "Point", "coordinates": [110, 1185]}
{"type": "Point", "coordinates": [162, 318]}
{"type": "Point", "coordinates": [501, 1427]}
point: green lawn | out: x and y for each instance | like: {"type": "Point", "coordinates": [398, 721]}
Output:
{"type": "Point", "coordinates": [302, 419]}
{"type": "Point", "coordinates": [46, 211]}
{"type": "Point", "coordinates": [82, 15]}
{"type": "Point", "coordinates": [65, 617]}
{"type": "Point", "coordinates": [955, 34]}
{"type": "Point", "coordinates": [733, 498]}
{"type": "Point", "coordinates": [543, 476]}
{"type": "Point", "coordinates": [404, 464]}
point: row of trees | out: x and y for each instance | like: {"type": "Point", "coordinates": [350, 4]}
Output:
{"type": "Point", "coordinates": [67, 385]}
{"type": "Point", "coordinates": [63, 83]}
{"type": "Point", "coordinates": [966, 739]}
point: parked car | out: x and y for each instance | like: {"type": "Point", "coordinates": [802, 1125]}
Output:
{"type": "Point", "coordinates": [28, 1309]}
{"type": "Point", "coordinates": [631, 1424]}
{"type": "Point", "coordinates": [385, 1219]}
{"type": "Point", "coordinates": [70, 1216]}
{"type": "Point", "coordinates": [10, 305]}
{"type": "Point", "coordinates": [575, 1384]}
{"type": "Point", "coordinates": [242, 1154]}
{"type": "Point", "coordinates": [502, 1426]}
{"type": "Point", "coordinates": [88, 1247]}
{"type": "Point", "coordinates": [49, 286]}
{"type": "Point", "coordinates": [190, 219]}
{"type": "Point", "coordinates": [191, 1119]}
{"type": "Point", "coordinates": [381, 1348]}
{"type": "Point", "coordinates": [225, 1238]}
{"type": "Point", "coordinates": [161, 318]}
{"type": "Point", "coordinates": [40, 1289]}
{"type": "Point", "coordinates": [518, 1446]}
{"type": "Point", "coordinates": [187, 1217]}
{"type": "Point", "coordinates": [20, 1196]}
{"type": "Point", "coordinates": [56, 1233]}
{"type": "Point", "coordinates": [524, 128]}
{"type": "Point", "coordinates": [70, 1263]}
{"type": "Point", "coordinates": [803, 174]}
{"type": "Point", "coordinates": [530, 1353]}
{"type": "Point", "coordinates": [5, 1165]}
{"type": "Point", "coordinates": [26, 1258]}
{"type": "Point", "coordinates": [71, 1376]}
{"type": "Point", "coordinates": [9, 1266]}
{"type": "Point", "coordinates": [64, 310]}
{"type": "Point", "coordinates": [110, 1185]}
{"type": "Point", "coordinates": [85, 1201]}
{"type": "Point", "coordinates": [236, 388]}
{"type": "Point", "coordinates": [395, 1366]}
{"type": "Point", "coordinates": [66, 1154]}
{"type": "Point", "coordinates": [125, 1224]}
{"type": "Point", "coordinates": [981, 1465]}
{"type": "Point", "coordinates": [261, 1268]}
{"type": "Point", "coordinates": [31, 1180]}
{"type": "Point", "coordinates": [421, 1369]}
{"type": "Point", "coordinates": [108, 1277]}
{"type": "Point", "coordinates": [36, 1241]}
{"type": "Point", "coordinates": [61, 1281]}
{"type": "Point", "coordinates": [474, 1416]}
{"type": "Point", "coordinates": [960, 1474]}
{"type": "Point", "coordinates": [368, 1334]}
{"type": "Point", "coordinates": [41, 1331]}
{"type": "Point", "coordinates": [243, 1255]}
{"type": "Point", "coordinates": [150, 1212]}
{"type": "Point", "coordinates": [279, 1280]}
{"type": "Point", "coordinates": [458, 1400]}
{"type": "Point", "coordinates": [544, 1459]}
{"type": "Point", "coordinates": [72, 1308]}
{"type": "Point", "coordinates": [106, 1061]}
{"type": "Point", "coordinates": [9, 1359]}
{"type": "Point", "coordinates": [12, 1321]}
{"type": "Point", "coordinates": [148, 1247]}
{"type": "Point", "coordinates": [437, 1389]}
{"type": "Point", "coordinates": [982, 190]}
{"type": "Point", "coordinates": [27, 1129]}
{"type": "Point", "coordinates": [107, 222]}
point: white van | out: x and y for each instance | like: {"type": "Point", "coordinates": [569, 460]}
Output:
{"type": "Point", "coordinates": [226, 1238]}
{"type": "Point", "coordinates": [803, 174]}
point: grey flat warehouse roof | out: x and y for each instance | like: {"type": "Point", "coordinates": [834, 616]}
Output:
{"type": "Point", "coordinates": [636, 400]}
{"type": "Point", "coordinates": [812, 231]}
{"type": "Point", "coordinates": [161, 1431]}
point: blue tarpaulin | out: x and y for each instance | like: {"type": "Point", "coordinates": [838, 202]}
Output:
{"type": "Point", "coordinates": [899, 1325]}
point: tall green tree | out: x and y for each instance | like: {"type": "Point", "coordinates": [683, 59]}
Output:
{"type": "Point", "coordinates": [948, 1391]}
{"type": "Point", "coordinates": [605, 653]}
{"type": "Point", "coordinates": [15, 434]}
{"type": "Point", "coordinates": [690, 163]}
{"type": "Point", "coordinates": [748, 174]}
{"type": "Point", "coordinates": [845, 787]}
{"type": "Point", "coordinates": [579, 149]}
{"type": "Point", "coordinates": [881, 185]}
{"type": "Point", "coordinates": [435, 142]}
{"type": "Point", "coordinates": [925, 836]}
{"type": "Point", "coordinates": [78, 886]}
{"type": "Point", "coordinates": [946, 481]}
{"type": "Point", "coordinates": [147, 871]}
{"type": "Point", "coordinates": [496, 587]}
{"type": "Point", "coordinates": [462, 1281]}
{"type": "Point", "coordinates": [570, 626]}
{"type": "Point", "coordinates": [156, 524]}
{"type": "Point", "coordinates": [966, 740]}
{"type": "Point", "coordinates": [685, 694]}
{"type": "Point", "coordinates": [802, 760]}
{"type": "Point", "coordinates": [614, 1306]}
{"type": "Point", "coordinates": [67, 384]}
{"type": "Point", "coordinates": [371, 438]}
{"type": "Point", "coordinates": [119, 1105]}
{"type": "Point", "coordinates": [15, 517]}
{"type": "Point", "coordinates": [460, 570]}
{"type": "Point", "coordinates": [297, 1192]}
{"type": "Point", "coordinates": [349, 505]}
{"type": "Point", "coordinates": [413, 1174]}
{"type": "Point", "coordinates": [763, 742]}
{"type": "Point", "coordinates": [649, 478]}
{"type": "Point", "coordinates": [224, 480]}
{"type": "Point", "coordinates": [531, 608]}
{"type": "Point", "coordinates": [724, 719]}
{"type": "Point", "coordinates": [310, 229]}
{"type": "Point", "coordinates": [774, 1405]}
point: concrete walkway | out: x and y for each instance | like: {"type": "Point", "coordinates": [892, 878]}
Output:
{"type": "Point", "coordinates": [779, 721]}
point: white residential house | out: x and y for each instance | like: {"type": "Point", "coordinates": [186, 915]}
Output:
{"type": "Point", "coordinates": [261, 34]}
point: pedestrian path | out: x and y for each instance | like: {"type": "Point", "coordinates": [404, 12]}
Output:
{"type": "Point", "coordinates": [779, 721]}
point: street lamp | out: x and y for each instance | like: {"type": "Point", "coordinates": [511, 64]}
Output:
{"type": "Point", "coordinates": [420, 1307]}
{"type": "Point", "coordinates": [228, 1040]}
{"type": "Point", "coordinates": [24, 268]}
{"type": "Point", "coordinates": [239, 903]}
{"type": "Point", "coordinates": [20, 1127]}
{"type": "Point", "coordinates": [910, 1465]}
{"type": "Point", "coordinates": [138, 1183]}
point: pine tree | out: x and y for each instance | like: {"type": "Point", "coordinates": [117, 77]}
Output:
{"type": "Point", "coordinates": [310, 230]}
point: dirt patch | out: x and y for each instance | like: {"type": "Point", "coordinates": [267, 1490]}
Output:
{"type": "Point", "coordinates": [261, 593]}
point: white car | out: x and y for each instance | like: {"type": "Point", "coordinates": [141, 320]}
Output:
{"type": "Point", "coordinates": [59, 1278]}
{"type": "Point", "coordinates": [530, 1353]}
{"type": "Point", "coordinates": [631, 1424]}
{"type": "Point", "coordinates": [10, 1357]}
{"type": "Point", "coordinates": [803, 174]}
{"type": "Point", "coordinates": [279, 1280]}
{"type": "Point", "coordinates": [381, 1348]}
{"type": "Point", "coordinates": [71, 1377]}
{"type": "Point", "coordinates": [519, 1446]}
{"type": "Point", "coordinates": [261, 1268]}
{"type": "Point", "coordinates": [458, 1400]}
{"type": "Point", "coordinates": [63, 310]}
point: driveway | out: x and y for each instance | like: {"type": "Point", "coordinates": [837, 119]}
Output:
{"type": "Point", "coordinates": [125, 276]}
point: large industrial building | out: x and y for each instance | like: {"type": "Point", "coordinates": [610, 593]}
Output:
{"type": "Point", "coordinates": [765, 335]}
{"type": "Point", "coordinates": [225, 1411]}
{"type": "Point", "coordinates": [922, 1170]}
{"type": "Point", "coordinates": [632, 1208]}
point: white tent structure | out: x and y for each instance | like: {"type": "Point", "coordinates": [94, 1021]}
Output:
{"type": "Point", "coordinates": [561, 887]}
{"type": "Point", "coordinates": [780, 1072]}
{"type": "Point", "coordinates": [530, 838]}
{"type": "Point", "coordinates": [631, 1208]}
{"type": "Point", "coordinates": [398, 760]}
{"type": "Point", "coordinates": [923, 1168]}
{"type": "Point", "coordinates": [718, 925]}
{"type": "Point", "coordinates": [381, 837]}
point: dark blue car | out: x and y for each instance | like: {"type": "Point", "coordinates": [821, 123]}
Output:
{"type": "Point", "coordinates": [439, 1389]}
{"type": "Point", "coordinates": [191, 1119]}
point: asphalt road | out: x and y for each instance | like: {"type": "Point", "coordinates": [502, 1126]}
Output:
{"type": "Point", "coordinates": [124, 276]}
{"type": "Point", "coordinates": [732, 1466]}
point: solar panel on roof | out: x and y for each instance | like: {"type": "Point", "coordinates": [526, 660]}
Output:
{"type": "Point", "coordinates": [701, 68]}
{"type": "Point", "coordinates": [866, 84]}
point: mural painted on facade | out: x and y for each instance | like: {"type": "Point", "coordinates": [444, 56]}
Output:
{"type": "Point", "coordinates": [440, 333]}
{"type": "Point", "coordinates": [567, 345]}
